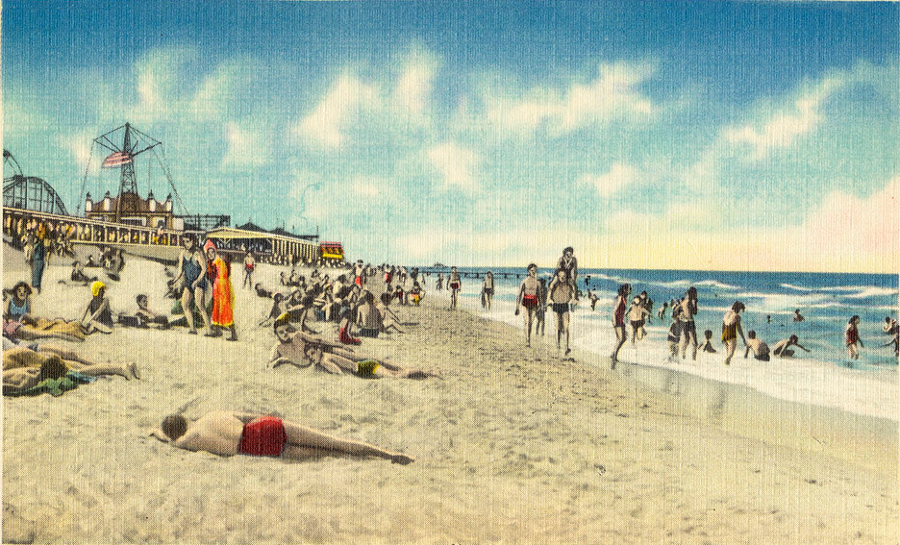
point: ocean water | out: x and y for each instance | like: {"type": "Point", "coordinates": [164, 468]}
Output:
{"type": "Point", "coordinates": [826, 376]}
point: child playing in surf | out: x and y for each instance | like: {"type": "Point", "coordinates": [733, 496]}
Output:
{"type": "Point", "coordinates": [673, 338]}
{"type": "Point", "coordinates": [707, 343]}
{"type": "Point", "coordinates": [782, 347]}
{"type": "Point", "coordinates": [891, 328]}
{"type": "Point", "coordinates": [593, 298]}
{"type": "Point", "coordinates": [851, 338]}
{"type": "Point", "coordinates": [759, 348]}
{"type": "Point", "coordinates": [637, 315]}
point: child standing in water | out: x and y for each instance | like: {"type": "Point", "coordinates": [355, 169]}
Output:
{"type": "Point", "coordinates": [637, 315]}
{"type": "Point", "coordinates": [851, 338]}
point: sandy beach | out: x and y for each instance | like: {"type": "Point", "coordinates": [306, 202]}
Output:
{"type": "Point", "coordinates": [512, 444]}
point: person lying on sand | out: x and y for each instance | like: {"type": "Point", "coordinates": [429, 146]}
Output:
{"type": "Point", "coordinates": [277, 309]}
{"type": "Point", "coordinates": [24, 367]}
{"type": "Point", "coordinates": [227, 433]}
{"type": "Point", "coordinates": [263, 292]}
{"type": "Point", "coordinates": [78, 275]}
{"type": "Point", "coordinates": [303, 350]}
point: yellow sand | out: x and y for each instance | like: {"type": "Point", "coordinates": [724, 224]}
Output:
{"type": "Point", "coordinates": [512, 445]}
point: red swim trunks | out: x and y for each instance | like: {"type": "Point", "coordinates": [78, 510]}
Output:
{"type": "Point", "coordinates": [530, 301]}
{"type": "Point", "coordinates": [263, 436]}
{"type": "Point", "coordinates": [358, 281]}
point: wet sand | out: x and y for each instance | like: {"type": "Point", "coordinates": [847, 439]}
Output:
{"type": "Point", "coordinates": [512, 444]}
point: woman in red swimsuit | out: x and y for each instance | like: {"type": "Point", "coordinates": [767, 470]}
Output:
{"type": "Point", "coordinates": [618, 316]}
{"type": "Point", "coordinates": [851, 338]}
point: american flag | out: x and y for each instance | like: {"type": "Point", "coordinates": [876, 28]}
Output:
{"type": "Point", "coordinates": [117, 159]}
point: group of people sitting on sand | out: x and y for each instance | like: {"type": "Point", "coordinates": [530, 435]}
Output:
{"type": "Point", "coordinates": [28, 363]}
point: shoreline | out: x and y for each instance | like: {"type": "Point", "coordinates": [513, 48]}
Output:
{"type": "Point", "coordinates": [807, 381]}
{"type": "Point", "coordinates": [738, 408]}
{"type": "Point", "coordinates": [511, 445]}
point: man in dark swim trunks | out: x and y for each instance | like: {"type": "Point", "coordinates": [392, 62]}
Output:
{"type": "Point", "coordinates": [228, 433]}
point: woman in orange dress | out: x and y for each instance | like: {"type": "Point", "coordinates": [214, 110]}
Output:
{"type": "Point", "coordinates": [222, 292]}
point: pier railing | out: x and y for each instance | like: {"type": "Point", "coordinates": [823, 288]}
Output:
{"type": "Point", "coordinates": [136, 239]}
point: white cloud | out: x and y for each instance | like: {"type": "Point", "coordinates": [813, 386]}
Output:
{"type": "Point", "coordinates": [782, 129]}
{"type": "Point", "coordinates": [412, 93]}
{"type": "Point", "coordinates": [855, 233]}
{"type": "Point", "coordinates": [158, 76]}
{"type": "Point", "coordinates": [345, 101]}
{"type": "Point", "coordinates": [619, 177]}
{"type": "Point", "coordinates": [217, 89]}
{"type": "Point", "coordinates": [79, 145]}
{"type": "Point", "coordinates": [613, 95]}
{"type": "Point", "coordinates": [456, 164]}
{"type": "Point", "coordinates": [245, 147]}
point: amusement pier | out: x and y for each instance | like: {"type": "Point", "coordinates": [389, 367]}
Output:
{"type": "Point", "coordinates": [144, 226]}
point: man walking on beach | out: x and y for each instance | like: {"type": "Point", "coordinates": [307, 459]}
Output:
{"type": "Point", "coordinates": [529, 296]}
{"type": "Point", "coordinates": [249, 265]}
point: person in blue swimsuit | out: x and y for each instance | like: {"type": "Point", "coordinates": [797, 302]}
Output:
{"type": "Point", "coordinates": [192, 275]}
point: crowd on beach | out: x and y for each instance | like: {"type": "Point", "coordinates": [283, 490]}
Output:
{"type": "Point", "coordinates": [535, 297]}
{"type": "Point", "coordinates": [320, 321]}
{"type": "Point", "coordinates": [355, 302]}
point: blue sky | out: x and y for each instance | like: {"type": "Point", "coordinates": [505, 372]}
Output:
{"type": "Point", "coordinates": [680, 134]}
